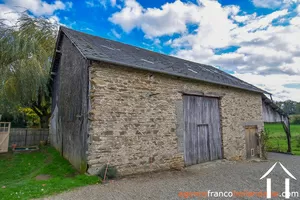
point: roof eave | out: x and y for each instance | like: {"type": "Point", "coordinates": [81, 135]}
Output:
{"type": "Point", "coordinates": [274, 106]}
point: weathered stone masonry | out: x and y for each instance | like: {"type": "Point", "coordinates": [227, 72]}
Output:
{"type": "Point", "coordinates": [134, 118]}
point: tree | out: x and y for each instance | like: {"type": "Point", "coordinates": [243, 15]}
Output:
{"type": "Point", "coordinates": [298, 108]}
{"type": "Point", "coordinates": [295, 119]}
{"type": "Point", "coordinates": [288, 106]}
{"type": "Point", "coordinates": [26, 51]}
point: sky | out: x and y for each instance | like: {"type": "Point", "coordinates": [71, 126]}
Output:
{"type": "Point", "coordinates": [257, 41]}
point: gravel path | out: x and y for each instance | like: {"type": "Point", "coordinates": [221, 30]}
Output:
{"type": "Point", "coordinates": [214, 176]}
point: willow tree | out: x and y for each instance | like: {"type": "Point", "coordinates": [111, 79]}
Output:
{"type": "Point", "coordinates": [26, 51]}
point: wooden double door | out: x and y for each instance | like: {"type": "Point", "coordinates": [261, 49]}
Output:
{"type": "Point", "coordinates": [202, 139]}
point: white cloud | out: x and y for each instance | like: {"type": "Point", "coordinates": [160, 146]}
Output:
{"type": "Point", "coordinates": [90, 3]}
{"type": "Point", "coordinates": [116, 34]}
{"type": "Point", "coordinates": [298, 9]}
{"type": "Point", "coordinates": [98, 3]}
{"type": "Point", "coordinates": [53, 19]}
{"type": "Point", "coordinates": [273, 4]}
{"type": "Point", "coordinates": [113, 2]}
{"type": "Point", "coordinates": [128, 18]}
{"type": "Point", "coordinates": [170, 18]}
{"type": "Point", "coordinates": [11, 10]}
{"type": "Point", "coordinates": [244, 18]}
{"type": "Point", "coordinates": [37, 7]}
{"type": "Point", "coordinates": [260, 48]}
{"type": "Point", "coordinates": [268, 3]}
{"type": "Point", "coordinates": [263, 21]}
{"type": "Point", "coordinates": [275, 84]}
{"type": "Point", "coordinates": [295, 21]}
{"type": "Point", "coordinates": [8, 15]}
{"type": "Point", "coordinates": [156, 41]}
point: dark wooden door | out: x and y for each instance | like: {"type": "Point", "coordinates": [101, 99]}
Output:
{"type": "Point", "coordinates": [202, 141]}
{"type": "Point", "coordinates": [251, 141]}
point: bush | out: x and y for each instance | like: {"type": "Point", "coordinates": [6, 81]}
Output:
{"type": "Point", "coordinates": [298, 141]}
{"type": "Point", "coordinates": [111, 172]}
{"type": "Point", "coordinates": [264, 137]}
{"type": "Point", "coordinates": [295, 119]}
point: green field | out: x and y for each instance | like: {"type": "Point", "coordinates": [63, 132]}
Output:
{"type": "Point", "coordinates": [277, 139]}
{"type": "Point", "coordinates": [18, 173]}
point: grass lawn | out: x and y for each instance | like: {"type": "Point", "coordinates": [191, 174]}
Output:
{"type": "Point", "coordinates": [18, 172]}
{"type": "Point", "coordinates": [277, 138]}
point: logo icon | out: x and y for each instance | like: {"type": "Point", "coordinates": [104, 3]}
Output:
{"type": "Point", "coordinates": [287, 181]}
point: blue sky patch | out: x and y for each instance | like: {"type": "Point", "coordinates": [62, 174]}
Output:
{"type": "Point", "coordinates": [292, 85]}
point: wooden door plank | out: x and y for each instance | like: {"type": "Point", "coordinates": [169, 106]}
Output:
{"type": "Point", "coordinates": [251, 141]}
{"type": "Point", "coordinates": [203, 142]}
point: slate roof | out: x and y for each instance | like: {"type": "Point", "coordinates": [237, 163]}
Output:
{"type": "Point", "coordinates": [101, 49]}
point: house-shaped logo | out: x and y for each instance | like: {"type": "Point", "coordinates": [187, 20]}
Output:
{"type": "Point", "coordinates": [287, 181]}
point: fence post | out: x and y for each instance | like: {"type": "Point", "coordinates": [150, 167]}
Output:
{"type": "Point", "coordinates": [40, 134]}
{"type": "Point", "coordinates": [25, 137]}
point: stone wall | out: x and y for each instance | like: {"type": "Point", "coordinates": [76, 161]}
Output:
{"type": "Point", "coordinates": [135, 118]}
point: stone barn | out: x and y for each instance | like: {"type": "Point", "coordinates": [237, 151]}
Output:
{"type": "Point", "coordinates": [143, 111]}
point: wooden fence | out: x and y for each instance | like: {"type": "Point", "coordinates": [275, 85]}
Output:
{"type": "Point", "coordinates": [27, 136]}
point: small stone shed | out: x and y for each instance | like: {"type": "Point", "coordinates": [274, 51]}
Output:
{"type": "Point", "coordinates": [143, 111]}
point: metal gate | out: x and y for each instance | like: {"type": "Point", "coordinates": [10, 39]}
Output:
{"type": "Point", "coordinates": [4, 136]}
{"type": "Point", "coordinates": [202, 140]}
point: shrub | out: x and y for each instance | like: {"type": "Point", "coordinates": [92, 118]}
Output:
{"type": "Point", "coordinates": [295, 119]}
{"type": "Point", "coordinates": [111, 172]}
{"type": "Point", "coordinates": [264, 137]}
{"type": "Point", "coordinates": [298, 141]}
